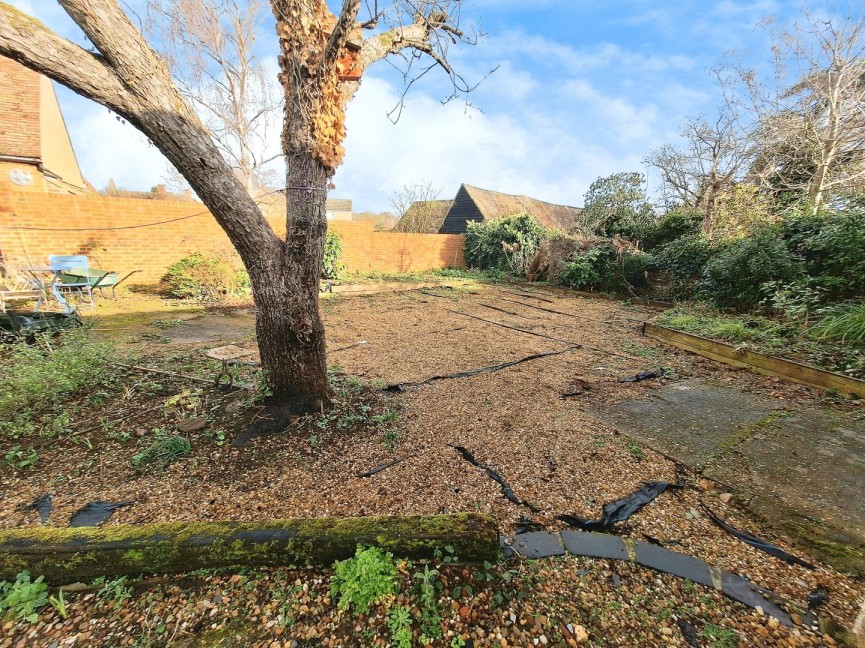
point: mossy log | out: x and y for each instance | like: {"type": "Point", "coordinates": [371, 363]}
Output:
{"type": "Point", "coordinates": [65, 555]}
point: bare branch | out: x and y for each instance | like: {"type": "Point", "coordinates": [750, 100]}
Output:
{"type": "Point", "coordinates": [27, 41]}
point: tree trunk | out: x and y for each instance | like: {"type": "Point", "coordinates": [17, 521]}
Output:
{"type": "Point", "coordinates": [288, 325]}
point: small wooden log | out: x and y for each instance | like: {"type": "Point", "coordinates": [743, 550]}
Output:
{"type": "Point", "coordinates": [764, 364]}
{"type": "Point", "coordinates": [66, 555]}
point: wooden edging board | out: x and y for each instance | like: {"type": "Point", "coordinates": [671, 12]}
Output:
{"type": "Point", "coordinates": [75, 554]}
{"type": "Point", "coordinates": [764, 364]}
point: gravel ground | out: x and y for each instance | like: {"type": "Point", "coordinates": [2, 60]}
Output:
{"type": "Point", "coordinates": [553, 454]}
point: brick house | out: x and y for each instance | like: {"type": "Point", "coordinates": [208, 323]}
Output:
{"type": "Point", "coordinates": [35, 150]}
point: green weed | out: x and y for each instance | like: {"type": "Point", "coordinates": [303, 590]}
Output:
{"type": "Point", "coordinates": [23, 598]}
{"type": "Point", "coordinates": [39, 377]}
{"type": "Point", "coordinates": [363, 580]}
{"type": "Point", "coordinates": [399, 624]}
{"type": "Point", "coordinates": [719, 637]}
{"type": "Point", "coordinates": [17, 457]}
{"type": "Point", "coordinates": [164, 450]}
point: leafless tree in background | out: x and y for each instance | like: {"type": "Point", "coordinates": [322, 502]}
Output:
{"type": "Point", "coordinates": [714, 156]}
{"type": "Point", "coordinates": [810, 116]}
{"type": "Point", "coordinates": [417, 207]}
{"type": "Point", "coordinates": [211, 48]}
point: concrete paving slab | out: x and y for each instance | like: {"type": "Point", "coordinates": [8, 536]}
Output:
{"type": "Point", "coordinates": [688, 420]}
{"type": "Point", "coordinates": [802, 471]}
{"type": "Point", "coordinates": [806, 472]}
{"type": "Point", "coordinates": [212, 328]}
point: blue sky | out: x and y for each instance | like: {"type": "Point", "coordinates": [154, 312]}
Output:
{"type": "Point", "coordinates": [583, 89]}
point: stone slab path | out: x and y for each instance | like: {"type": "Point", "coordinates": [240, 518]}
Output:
{"type": "Point", "coordinates": [802, 471]}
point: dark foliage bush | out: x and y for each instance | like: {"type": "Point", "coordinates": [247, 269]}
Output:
{"type": "Point", "coordinates": [832, 246]}
{"type": "Point", "coordinates": [675, 224]}
{"type": "Point", "coordinates": [685, 260]}
{"type": "Point", "coordinates": [737, 275]}
{"type": "Point", "coordinates": [484, 240]}
{"type": "Point", "coordinates": [208, 278]}
{"type": "Point", "coordinates": [600, 268]}
{"type": "Point", "coordinates": [587, 270]}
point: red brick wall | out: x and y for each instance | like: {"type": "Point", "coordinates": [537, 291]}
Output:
{"type": "Point", "coordinates": [153, 248]}
{"type": "Point", "coordinates": [19, 107]}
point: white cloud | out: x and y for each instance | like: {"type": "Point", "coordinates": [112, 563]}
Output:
{"type": "Point", "coordinates": [108, 148]}
{"type": "Point", "coordinates": [542, 153]}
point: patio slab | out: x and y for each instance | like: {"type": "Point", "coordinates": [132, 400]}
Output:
{"type": "Point", "coordinates": [801, 471]}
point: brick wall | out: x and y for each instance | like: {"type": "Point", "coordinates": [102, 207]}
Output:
{"type": "Point", "coordinates": [19, 107]}
{"type": "Point", "coordinates": [152, 249]}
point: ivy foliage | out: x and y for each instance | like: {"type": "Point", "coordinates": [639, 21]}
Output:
{"type": "Point", "coordinates": [505, 244]}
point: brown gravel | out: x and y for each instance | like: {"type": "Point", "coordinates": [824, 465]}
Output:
{"type": "Point", "coordinates": [553, 454]}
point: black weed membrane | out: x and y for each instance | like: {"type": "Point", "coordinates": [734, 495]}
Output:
{"type": "Point", "coordinates": [757, 543]}
{"type": "Point", "coordinates": [496, 477]}
{"type": "Point", "coordinates": [401, 387]}
{"type": "Point", "coordinates": [620, 509]}
{"type": "Point", "coordinates": [378, 469]}
{"type": "Point", "coordinates": [96, 513]}
{"type": "Point", "coordinates": [42, 506]}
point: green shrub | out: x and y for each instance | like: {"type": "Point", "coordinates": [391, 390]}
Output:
{"type": "Point", "coordinates": [587, 270]}
{"type": "Point", "coordinates": [363, 580]}
{"type": "Point", "coordinates": [842, 322]}
{"type": "Point", "coordinates": [833, 248]}
{"type": "Point", "coordinates": [332, 267]}
{"type": "Point", "coordinates": [675, 224]}
{"type": "Point", "coordinates": [40, 376]}
{"type": "Point", "coordinates": [685, 258]}
{"type": "Point", "coordinates": [208, 278]}
{"type": "Point", "coordinates": [740, 275]}
{"type": "Point", "coordinates": [509, 243]}
{"type": "Point", "coordinates": [629, 271]}
{"type": "Point", "coordinates": [23, 598]}
{"type": "Point", "coordinates": [600, 268]}
{"type": "Point", "coordinates": [164, 450]}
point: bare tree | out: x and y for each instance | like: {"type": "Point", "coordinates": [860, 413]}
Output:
{"type": "Point", "coordinates": [810, 116]}
{"type": "Point", "coordinates": [417, 208]}
{"type": "Point", "coordinates": [211, 48]}
{"type": "Point", "coordinates": [714, 156]}
{"type": "Point", "coordinates": [322, 59]}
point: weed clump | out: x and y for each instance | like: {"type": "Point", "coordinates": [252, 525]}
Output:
{"type": "Point", "coordinates": [38, 376]}
{"type": "Point", "coordinates": [368, 578]}
{"type": "Point", "coordinates": [165, 450]}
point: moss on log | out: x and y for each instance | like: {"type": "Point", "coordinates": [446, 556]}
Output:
{"type": "Point", "coordinates": [65, 555]}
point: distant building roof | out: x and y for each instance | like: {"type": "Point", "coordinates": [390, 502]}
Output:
{"type": "Point", "coordinates": [337, 204]}
{"type": "Point", "coordinates": [475, 204]}
{"type": "Point", "coordinates": [424, 216]}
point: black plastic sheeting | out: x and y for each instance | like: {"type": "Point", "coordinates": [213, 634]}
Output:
{"type": "Point", "coordinates": [496, 477]}
{"type": "Point", "coordinates": [757, 543]}
{"type": "Point", "coordinates": [378, 469]}
{"type": "Point", "coordinates": [621, 509]}
{"type": "Point", "coordinates": [643, 375]}
{"type": "Point", "coordinates": [526, 525]}
{"type": "Point", "coordinates": [401, 387]}
{"type": "Point", "coordinates": [818, 597]}
{"type": "Point", "coordinates": [95, 513]}
{"type": "Point", "coordinates": [42, 506]}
